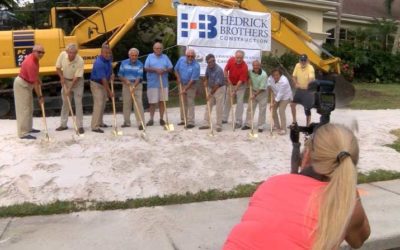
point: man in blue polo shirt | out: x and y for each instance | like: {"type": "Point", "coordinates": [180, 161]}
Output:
{"type": "Point", "coordinates": [187, 72]}
{"type": "Point", "coordinates": [131, 73]}
{"type": "Point", "coordinates": [99, 85]}
{"type": "Point", "coordinates": [156, 65]}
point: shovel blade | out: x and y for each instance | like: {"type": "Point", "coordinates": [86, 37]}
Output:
{"type": "Point", "coordinates": [252, 135]}
{"type": "Point", "coordinates": [116, 132]}
{"type": "Point", "coordinates": [169, 127]}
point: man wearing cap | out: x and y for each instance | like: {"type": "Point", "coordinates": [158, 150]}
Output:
{"type": "Point", "coordinates": [187, 72]}
{"type": "Point", "coordinates": [100, 79]}
{"type": "Point", "coordinates": [69, 67]}
{"type": "Point", "coordinates": [215, 82]}
{"type": "Point", "coordinates": [24, 83]}
{"type": "Point", "coordinates": [236, 71]}
{"type": "Point", "coordinates": [131, 74]}
{"type": "Point", "coordinates": [303, 74]}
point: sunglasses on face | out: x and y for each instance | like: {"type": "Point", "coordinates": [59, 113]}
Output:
{"type": "Point", "coordinates": [40, 52]}
{"type": "Point", "coordinates": [190, 56]}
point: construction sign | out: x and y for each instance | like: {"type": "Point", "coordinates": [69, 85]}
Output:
{"type": "Point", "coordinates": [225, 28]}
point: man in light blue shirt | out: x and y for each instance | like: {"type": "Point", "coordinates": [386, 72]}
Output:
{"type": "Point", "coordinates": [131, 74]}
{"type": "Point", "coordinates": [157, 66]}
{"type": "Point", "coordinates": [187, 72]}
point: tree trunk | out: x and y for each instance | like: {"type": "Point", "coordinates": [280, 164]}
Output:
{"type": "Point", "coordinates": [396, 42]}
{"type": "Point", "coordinates": [338, 23]}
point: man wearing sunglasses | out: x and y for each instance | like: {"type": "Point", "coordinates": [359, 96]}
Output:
{"type": "Point", "coordinates": [303, 74]}
{"type": "Point", "coordinates": [187, 72]}
{"type": "Point", "coordinates": [24, 83]}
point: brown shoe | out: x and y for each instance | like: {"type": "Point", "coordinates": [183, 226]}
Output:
{"type": "Point", "coordinates": [61, 128]}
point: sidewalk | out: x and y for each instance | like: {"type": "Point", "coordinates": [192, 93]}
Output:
{"type": "Point", "coordinates": [185, 227]}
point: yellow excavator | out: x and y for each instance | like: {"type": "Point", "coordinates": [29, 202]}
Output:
{"type": "Point", "coordinates": [118, 17]}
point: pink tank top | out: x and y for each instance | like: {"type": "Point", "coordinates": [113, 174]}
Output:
{"type": "Point", "coordinates": [282, 215]}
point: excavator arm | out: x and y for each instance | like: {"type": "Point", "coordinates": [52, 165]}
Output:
{"type": "Point", "coordinates": [119, 17]}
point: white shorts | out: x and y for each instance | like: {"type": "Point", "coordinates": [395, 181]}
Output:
{"type": "Point", "coordinates": [154, 95]}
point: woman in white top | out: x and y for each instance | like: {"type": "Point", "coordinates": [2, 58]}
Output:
{"type": "Point", "coordinates": [282, 96]}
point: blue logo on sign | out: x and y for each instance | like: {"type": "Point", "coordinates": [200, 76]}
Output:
{"type": "Point", "coordinates": [205, 26]}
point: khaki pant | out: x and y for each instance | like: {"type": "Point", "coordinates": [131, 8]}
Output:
{"type": "Point", "coordinates": [128, 104]}
{"type": "Point", "coordinates": [78, 94]}
{"type": "Point", "coordinates": [262, 101]}
{"type": "Point", "coordinates": [99, 103]}
{"type": "Point", "coordinates": [282, 115]}
{"type": "Point", "coordinates": [239, 104]}
{"type": "Point", "coordinates": [23, 106]}
{"type": "Point", "coordinates": [218, 100]}
{"type": "Point", "coordinates": [188, 100]}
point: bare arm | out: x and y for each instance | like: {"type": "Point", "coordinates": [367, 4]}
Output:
{"type": "Point", "coordinates": [106, 85]}
{"type": "Point", "coordinates": [358, 229]}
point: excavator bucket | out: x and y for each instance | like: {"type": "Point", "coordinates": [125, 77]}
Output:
{"type": "Point", "coordinates": [344, 90]}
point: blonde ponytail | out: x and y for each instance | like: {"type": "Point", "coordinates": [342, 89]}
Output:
{"type": "Point", "coordinates": [334, 154]}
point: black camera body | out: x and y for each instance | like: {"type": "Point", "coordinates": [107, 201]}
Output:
{"type": "Point", "coordinates": [324, 103]}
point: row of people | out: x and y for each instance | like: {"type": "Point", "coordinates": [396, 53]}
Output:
{"type": "Point", "coordinates": [223, 86]}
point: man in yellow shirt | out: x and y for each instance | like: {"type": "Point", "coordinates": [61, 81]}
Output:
{"type": "Point", "coordinates": [69, 67]}
{"type": "Point", "coordinates": [303, 74]}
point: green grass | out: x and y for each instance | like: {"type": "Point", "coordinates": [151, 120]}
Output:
{"type": "Point", "coordinates": [62, 207]}
{"type": "Point", "coordinates": [396, 144]}
{"type": "Point", "coordinates": [376, 96]}
{"type": "Point", "coordinates": [240, 191]}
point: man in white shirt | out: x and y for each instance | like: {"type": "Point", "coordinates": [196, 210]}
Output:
{"type": "Point", "coordinates": [282, 96]}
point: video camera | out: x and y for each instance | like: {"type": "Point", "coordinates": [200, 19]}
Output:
{"type": "Point", "coordinates": [323, 100]}
{"type": "Point", "coordinates": [321, 91]}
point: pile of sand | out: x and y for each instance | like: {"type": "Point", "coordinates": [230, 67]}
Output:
{"type": "Point", "coordinates": [105, 167]}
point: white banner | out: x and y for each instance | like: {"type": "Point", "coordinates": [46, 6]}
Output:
{"type": "Point", "coordinates": [227, 28]}
{"type": "Point", "coordinates": [222, 56]}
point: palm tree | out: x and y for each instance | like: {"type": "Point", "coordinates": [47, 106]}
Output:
{"type": "Point", "coordinates": [338, 22]}
{"type": "Point", "coordinates": [9, 4]}
{"type": "Point", "coordinates": [396, 43]}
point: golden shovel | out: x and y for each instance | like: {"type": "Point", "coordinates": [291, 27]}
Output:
{"type": "Point", "coordinates": [167, 126]}
{"type": "Point", "coordinates": [115, 131]}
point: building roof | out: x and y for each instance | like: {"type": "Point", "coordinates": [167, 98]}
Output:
{"type": "Point", "coordinates": [371, 8]}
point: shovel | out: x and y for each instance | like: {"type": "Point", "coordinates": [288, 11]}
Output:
{"type": "Point", "coordinates": [209, 113]}
{"type": "Point", "coordinates": [44, 116]}
{"type": "Point", "coordinates": [252, 134]}
{"type": "Point", "coordinates": [143, 134]}
{"type": "Point", "coordinates": [271, 117]}
{"type": "Point", "coordinates": [167, 126]}
{"type": "Point", "coordinates": [116, 132]}
{"type": "Point", "coordinates": [182, 104]}
{"type": "Point", "coordinates": [73, 117]}
{"type": "Point", "coordinates": [233, 113]}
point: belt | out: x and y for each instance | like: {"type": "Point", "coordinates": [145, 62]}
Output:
{"type": "Point", "coordinates": [25, 80]}
{"type": "Point", "coordinates": [68, 79]}
{"type": "Point", "coordinates": [96, 81]}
